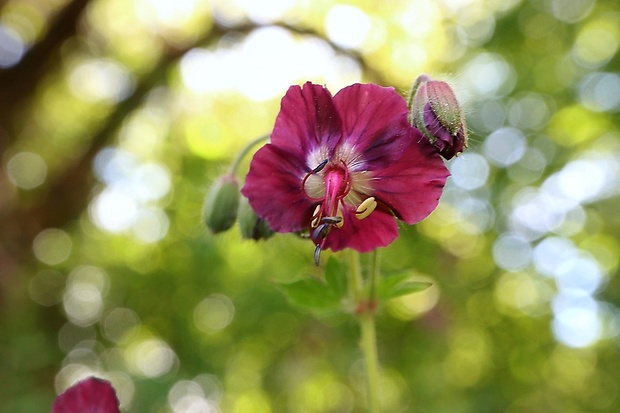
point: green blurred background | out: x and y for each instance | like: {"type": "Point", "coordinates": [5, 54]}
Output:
{"type": "Point", "coordinates": [116, 115]}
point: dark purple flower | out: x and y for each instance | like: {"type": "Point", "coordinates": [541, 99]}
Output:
{"type": "Point", "coordinates": [436, 112]}
{"type": "Point", "coordinates": [344, 167]}
{"type": "Point", "coordinates": [92, 395]}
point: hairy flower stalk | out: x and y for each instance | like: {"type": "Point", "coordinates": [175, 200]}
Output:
{"type": "Point", "coordinates": [344, 168]}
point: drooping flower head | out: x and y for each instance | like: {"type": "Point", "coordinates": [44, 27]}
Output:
{"type": "Point", "coordinates": [344, 168]}
{"type": "Point", "coordinates": [221, 203]}
{"type": "Point", "coordinates": [437, 113]}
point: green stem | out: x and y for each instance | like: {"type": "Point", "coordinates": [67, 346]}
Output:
{"type": "Point", "coordinates": [366, 315]}
{"type": "Point", "coordinates": [356, 288]}
{"type": "Point", "coordinates": [369, 347]}
{"type": "Point", "coordinates": [244, 151]}
{"type": "Point", "coordinates": [412, 91]}
{"type": "Point", "coordinates": [375, 270]}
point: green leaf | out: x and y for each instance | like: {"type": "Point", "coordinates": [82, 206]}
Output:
{"type": "Point", "coordinates": [409, 287]}
{"type": "Point", "coordinates": [311, 294]}
{"type": "Point", "coordinates": [400, 284]}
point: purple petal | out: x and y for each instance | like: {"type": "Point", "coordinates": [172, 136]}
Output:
{"type": "Point", "coordinates": [379, 229]}
{"type": "Point", "coordinates": [412, 186]}
{"type": "Point", "coordinates": [434, 126]}
{"type": "Point", "coordinates": [273, 188]}
{"type": "Point", "coordinates": [374, 121]}
{"type": "Point", "coordinates": [307, 120]}
{"type": "Point", "coordinates": [447, 145]}
{"type": "Point", "coordinates": [92, 395]}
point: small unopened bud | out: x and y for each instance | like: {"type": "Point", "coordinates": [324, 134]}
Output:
{"type": "Point", "coordinates": [221, 204]}
{"type": "Point", "coordinates": [250, 224]}
{"type": "Point", "coordinates": [435, 111]}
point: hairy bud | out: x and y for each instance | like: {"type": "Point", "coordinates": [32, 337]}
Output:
{"type": "Point", "coordinates": [435, 111]}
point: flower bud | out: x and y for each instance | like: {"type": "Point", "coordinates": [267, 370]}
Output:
{"type": "Point", "coordinates": [250, 224]}
{"type": "Point", "coordinates": [435, 111]}
{"type": "Point", "coordinates": [221, 203]}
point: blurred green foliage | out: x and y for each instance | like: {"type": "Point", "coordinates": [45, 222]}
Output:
{"type": "Point", "coordinates": [116, 116]}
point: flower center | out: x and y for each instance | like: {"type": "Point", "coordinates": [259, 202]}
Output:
{"type": "Point", "coordinates": [336, 185]}
{"type": "Point", "coordinates": [332, 183]}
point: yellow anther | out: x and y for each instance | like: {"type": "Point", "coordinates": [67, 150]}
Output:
{"type": "Point", "coordinates": [366, 208]}
{"type": "Point", "coordinates": [315, 217]}
{"type": "Point", "coordinates": [339, 215]}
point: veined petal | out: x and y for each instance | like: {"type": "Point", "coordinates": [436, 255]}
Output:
{"type": "Point", "coordinates": [379, 229]}
{"type": "Point", "coordinates": [374, 124]}
{"type": "Point", "coordinates": [273, 188]}
{"type": "Point", "coordinates": [307, 121]}
{"type": "Point", "coordinates": [412, 186]}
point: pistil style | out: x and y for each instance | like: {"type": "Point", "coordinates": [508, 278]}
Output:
{"type": "Point", "coordinates": [328, 213]}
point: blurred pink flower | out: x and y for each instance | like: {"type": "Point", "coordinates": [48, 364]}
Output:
{"type": "Point", "coordinates": [92, 395]}
{"type": "Point", "coordinates": [344, 167]}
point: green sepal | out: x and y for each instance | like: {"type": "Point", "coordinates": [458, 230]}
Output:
{"type": "Point", "coordinates": [250, 225]}
{"type": "Point", "coordinates": [445, 106]}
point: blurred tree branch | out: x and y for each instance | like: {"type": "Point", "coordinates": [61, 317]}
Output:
{"type": "Point", "coordinates": [20, 82]}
